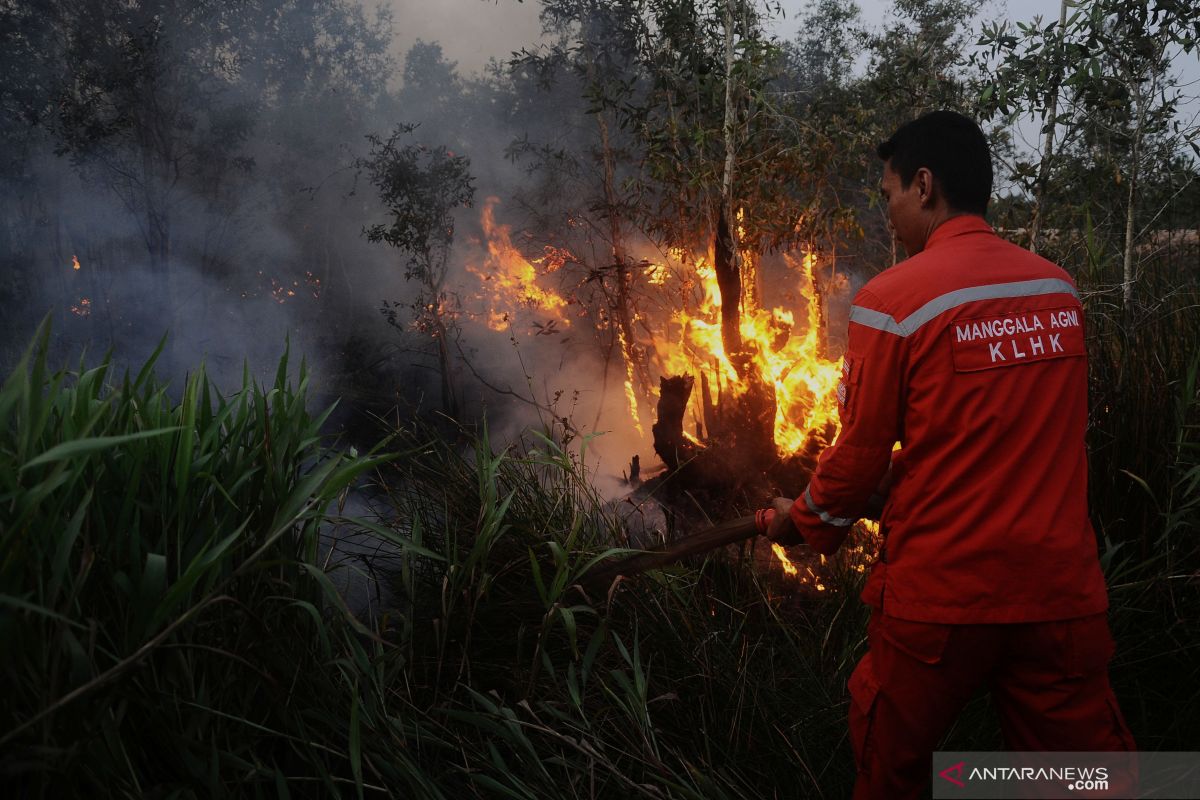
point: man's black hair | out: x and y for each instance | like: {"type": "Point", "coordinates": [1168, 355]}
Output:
{"type": "Point", "coordinates": [950, 146]}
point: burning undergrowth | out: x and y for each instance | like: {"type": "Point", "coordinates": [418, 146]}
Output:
{"type": "Point", "coordinates": [698, 433]}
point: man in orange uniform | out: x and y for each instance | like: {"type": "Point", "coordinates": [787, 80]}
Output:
{"type": "Point", "coordinates": [970, 354]}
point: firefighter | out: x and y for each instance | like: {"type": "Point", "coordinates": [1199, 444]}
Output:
{"type": "Point", "coordinates": [970, 356]}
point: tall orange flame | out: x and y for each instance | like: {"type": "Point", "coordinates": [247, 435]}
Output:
{"type": "Point", "coordinates": [805, 381]}
{"type": "Point", "coordinates": [511, 279]}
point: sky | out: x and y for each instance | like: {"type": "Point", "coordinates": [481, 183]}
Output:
{"type": "Point", "coordinates": [472, 31]}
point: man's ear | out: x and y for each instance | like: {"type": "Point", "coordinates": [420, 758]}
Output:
{"type": "Point", "coordinates": [925, 186]}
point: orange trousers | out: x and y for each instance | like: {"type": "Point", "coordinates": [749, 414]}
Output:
{"type": "Point", "coordinates": [1048, 682]}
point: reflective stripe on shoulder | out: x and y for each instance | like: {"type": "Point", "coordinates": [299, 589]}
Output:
{"type": "Point", "coordinates": [943, 303]}
{"type": "Point", "coordinates": [825, 516]}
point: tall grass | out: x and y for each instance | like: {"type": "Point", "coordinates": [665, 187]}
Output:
{"type": "Point", "coordinates": [687, 684]}
{"type": "Point", "coordinates": [167, 627]}
{"type": "Point", "coordinates": [1144, 469]}
{"type": "Point", "coordinates": [159, 607]}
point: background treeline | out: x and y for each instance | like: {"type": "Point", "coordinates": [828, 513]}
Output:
{"type": "Point", "coordinates": [169, 624]}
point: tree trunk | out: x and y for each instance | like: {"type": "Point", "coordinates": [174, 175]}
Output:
{"type": "Point", "coordinates": [1127, 261]}
{"type": "Point", "coordinates": [669, 442]}
{"type": "Point", "coordinates": [747, 418]}
{"type": "Point", "coordinates": [729, 281]}
{"type": "Point", "coordinates": [449, 400]}
{"type": "Point", "coordinates": [1048, 146]}
{"type": "Point", "coordinates": [634, 363]}
{"type": "Point", "coordinates": [726, 257]}
{"type": "Point", "coordinates": [712, 419]}
{"type": "Point", "coordinates": [1127, 275]}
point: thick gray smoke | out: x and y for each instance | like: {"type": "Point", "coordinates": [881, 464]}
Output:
{"type": "Point", "coordinates": [198, 174]}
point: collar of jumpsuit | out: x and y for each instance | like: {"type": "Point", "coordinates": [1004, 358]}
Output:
{"type": "Point", "coordinates": [957, 226]}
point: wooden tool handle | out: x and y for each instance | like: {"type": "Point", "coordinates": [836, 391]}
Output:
{"type": "Point", "coordinates": [735, 530]}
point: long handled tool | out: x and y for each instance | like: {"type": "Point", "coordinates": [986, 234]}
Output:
{"type": "Point", "coordinates": [735, 530]}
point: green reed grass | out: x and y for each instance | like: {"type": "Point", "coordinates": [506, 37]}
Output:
{"type": "Point", "coordinates": [689, 682]}
{"type": "Point", "coordinates": [167, 627]}
{"type": "Point", "coordinates": [157, 594]}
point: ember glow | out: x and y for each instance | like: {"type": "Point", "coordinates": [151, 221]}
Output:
{"type": "Point", "coordinates": [282, 290]}
{"type": "Point", "coordinates": [75, 265]}
{"type": "Point", "coordinates": [83, 308]}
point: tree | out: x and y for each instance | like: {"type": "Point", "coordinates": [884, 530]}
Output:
{"type": "Point", "coordinates": [714, 147]}
{"type": "Point", "coordinates": [1112, 60]}
{"type": "Point", "coordinates": [421, 187]}
{"type": "Point", "coordinates": [917, 62]}
{"type": "Point", "coordinates": [594, 54]}
{"type": "Point", "coordinates": [1035, 70]}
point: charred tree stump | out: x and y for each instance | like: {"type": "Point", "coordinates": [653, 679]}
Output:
{"type": "Point", "coordinates": [669, 441]}
{"type": "Point", "coordinates": [747, 436]}
{"type": "Point", "coordinates": [746, 420]}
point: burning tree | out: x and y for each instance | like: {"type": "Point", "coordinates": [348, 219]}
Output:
{"type": "Point", "coordinates": [727, 170]}
{"type": "Point", "coordinates": [694, 178]}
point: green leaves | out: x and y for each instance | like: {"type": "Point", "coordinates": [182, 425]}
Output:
{"type": "Point", "coordinates": [84, 447]}
{"type": "Point", "coordinates": [146, 547]}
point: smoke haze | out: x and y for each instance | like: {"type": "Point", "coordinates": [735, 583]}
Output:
{"type": "Point", "coordinates": [207, 176]}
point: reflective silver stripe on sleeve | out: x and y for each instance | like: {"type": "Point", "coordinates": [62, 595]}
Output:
{"type": "Point", "coordinates": [875, 319]}
{"type": "Point", "coordinates": [943, 303]}
{"type": "Point", "coordinates": [825, 516]}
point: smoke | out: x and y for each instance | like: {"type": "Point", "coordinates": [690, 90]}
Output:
{"type": "Point", "coordinates": [240, 281]}
{"type": "Point", "coordinates": [233, 222]}
{"type": "Point", "coordinates": [222, 202]}
{"type": "Point", "coordinates": [470, 32]}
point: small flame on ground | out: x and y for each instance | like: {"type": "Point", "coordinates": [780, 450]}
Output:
{"type": "Point", "coordinates": [784, 561]}
{"type": "Point", "coordinates": [281, 291]}
{"type": "Point", "coordinates": [792, 571]}
{"type": "Point", "coordinates": [75, 263]}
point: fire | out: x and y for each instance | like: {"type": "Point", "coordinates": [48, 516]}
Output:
{"type": "Point", "coordinates": [784, 561]}
{"type": "Point", "coordinates": [630, 390]}
{"type": "Point", "coordinates": [656, 274]}
{"type": "Point", "coordinates": [75, 265]}
{"type": "Point", "coordinates": [789, 356]}
{"type": "Point", "coordinates": [785, 342]}
{"type": "Point", "coordinates": [512, 279]}
{"type": "Point", "coordinates": [805, 381]}
{"type": "Point", "coordinates": [809, 577]}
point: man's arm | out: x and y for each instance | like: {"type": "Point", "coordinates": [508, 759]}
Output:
{"type": "Point", "coordinates": [849, 472]}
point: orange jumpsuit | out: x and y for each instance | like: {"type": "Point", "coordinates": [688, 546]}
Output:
{"type": "Point", "coordinates": [970, 355]}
